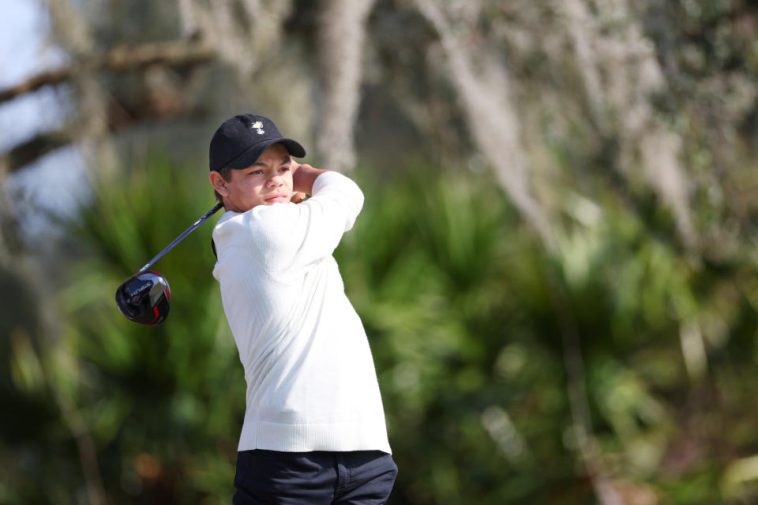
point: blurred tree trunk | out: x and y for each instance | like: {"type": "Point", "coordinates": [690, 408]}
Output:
{"type": "Point", "coordinates": [90, 123]}
{"type": "Point", "coordinates": [341, 54]}
{"type": "Point", "coordinates": [91, 120]}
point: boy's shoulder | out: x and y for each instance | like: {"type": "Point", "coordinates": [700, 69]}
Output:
{"type": "Point", "coordinates": [264, 223]}
{"type": "Point", "coordinates": [258, 215]}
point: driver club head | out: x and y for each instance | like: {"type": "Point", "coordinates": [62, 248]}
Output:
{"type": "Point", "coordinates": [144, 298]}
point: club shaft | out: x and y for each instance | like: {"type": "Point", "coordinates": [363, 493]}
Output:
{"type": "Point", "coordinates": [181, 237]}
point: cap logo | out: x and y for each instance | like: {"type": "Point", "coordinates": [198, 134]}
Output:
{"type": "Point", "coordinates": [258, 127]}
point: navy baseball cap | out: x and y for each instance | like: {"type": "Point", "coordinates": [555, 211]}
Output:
{"type": "Point", "coordinates": [240, 140]}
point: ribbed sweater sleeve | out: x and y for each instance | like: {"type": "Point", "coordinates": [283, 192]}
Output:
{"type": "Point", "coordinates": [292, 236]}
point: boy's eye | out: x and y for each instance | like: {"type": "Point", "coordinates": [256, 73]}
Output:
{"type": "Point", "coordinates": [256, 172]}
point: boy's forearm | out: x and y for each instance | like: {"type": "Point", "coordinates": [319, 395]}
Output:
{"type": "Point", "coordinates": [304, 177]}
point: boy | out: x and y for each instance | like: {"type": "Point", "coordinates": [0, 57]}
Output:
{"type": "Point", "coordinates": [314, 430]}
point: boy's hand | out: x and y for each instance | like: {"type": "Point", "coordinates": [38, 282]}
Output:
{"type": "Point", "coordinates": [303, 177]}
{"type": "Point", "coordinates": [298, 197]}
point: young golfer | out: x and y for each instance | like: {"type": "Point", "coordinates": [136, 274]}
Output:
{"type": "Point", "coordinates": [314, 430]}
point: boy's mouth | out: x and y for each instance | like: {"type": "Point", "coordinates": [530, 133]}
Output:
{"type": "Point", "coordinates": [277, 197]}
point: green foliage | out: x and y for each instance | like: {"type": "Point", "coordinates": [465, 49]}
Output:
{"type": "Point", "coordinates": [162, 404]}
{"type": "Point", "coordinates": [470, 320]}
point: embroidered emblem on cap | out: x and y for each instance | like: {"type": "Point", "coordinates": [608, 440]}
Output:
{"type": "Point", "coordinates": [258, 127]}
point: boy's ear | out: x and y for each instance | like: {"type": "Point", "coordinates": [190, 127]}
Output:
{"type": "Point", "coordinates": [218, 183]}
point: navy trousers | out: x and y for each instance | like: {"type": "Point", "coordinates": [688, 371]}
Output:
{"type": "Point", "coordinates": [313, 478]}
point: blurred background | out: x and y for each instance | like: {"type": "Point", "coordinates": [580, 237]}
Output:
{"type": "Point", "coordinates": [555, 265]}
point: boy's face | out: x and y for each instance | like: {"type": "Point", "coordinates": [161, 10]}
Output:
{"type": "Point", "coordinates": [265, 182]}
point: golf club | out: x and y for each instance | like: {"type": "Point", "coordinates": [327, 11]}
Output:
{"type": "Point", "coordinates": [145, 297]}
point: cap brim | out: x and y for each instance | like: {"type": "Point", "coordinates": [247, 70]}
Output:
{"type": "Point", "coordinates": [250, 156]}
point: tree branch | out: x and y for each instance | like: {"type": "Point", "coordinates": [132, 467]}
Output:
{"type": "Point", "coordinates": [34, 83]}
{"type": "Point", "coordinates": [122, 59]}
{"type": "Point", "coordinates": [161, 104]}
{"type": "Point", "coordinates": [119, 118]}
{"type": "Point", "coordinates": [27, 152]}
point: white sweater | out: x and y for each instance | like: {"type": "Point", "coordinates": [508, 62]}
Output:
{"type": "Point", "coordinates": [311, 383]}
